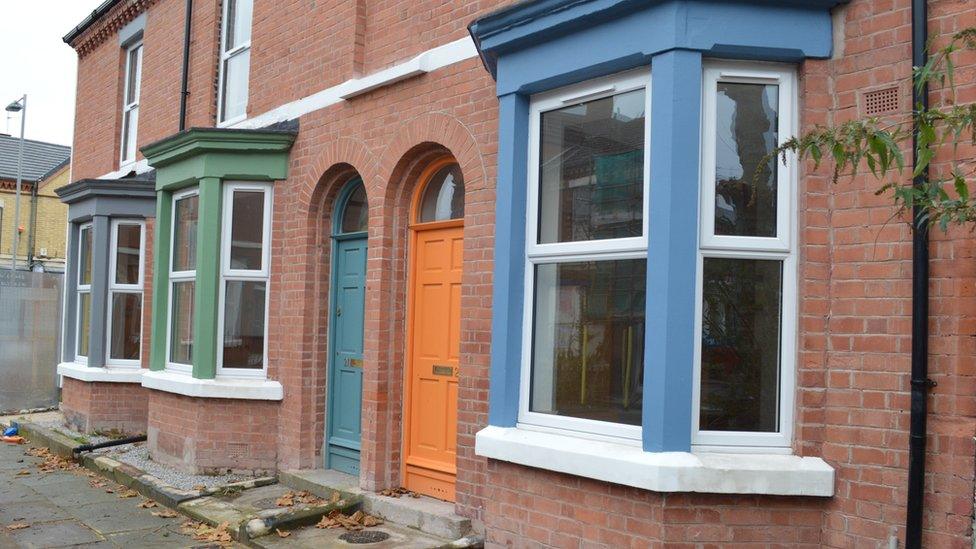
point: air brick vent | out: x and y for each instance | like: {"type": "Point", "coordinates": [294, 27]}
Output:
{"type": "Point", "coordinates": [880, 101]}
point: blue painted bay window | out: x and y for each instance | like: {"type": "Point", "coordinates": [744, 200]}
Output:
{"type": "Point", "coordinates": [645, 264]}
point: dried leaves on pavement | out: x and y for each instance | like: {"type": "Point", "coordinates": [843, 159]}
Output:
{"type": "Point", "coordinates": [356, 521]}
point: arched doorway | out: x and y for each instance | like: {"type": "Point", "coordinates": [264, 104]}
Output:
{"type": "Point", "coordinates": [434, 331]}
{"type": "Point", "coordinates": [346, 315]}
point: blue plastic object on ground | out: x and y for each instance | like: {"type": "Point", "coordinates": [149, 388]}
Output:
{"type": "Point", "coordinates": [12, 430]}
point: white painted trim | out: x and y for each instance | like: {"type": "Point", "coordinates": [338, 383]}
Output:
{"type": "Point", "coordinates": [115, 288]}
{"type": "Point", "coordinates": [765, 474]}
{"type": "Point", "coordinates": [259, 275]}
{"type": "Point", "coordinates": [436, 58]}
{"type": "Point", "coordinates": [579, 251]}
{"type": "Point", "coordinates": [782, 248]}
{"type": "Point", "coordinates": [183, 384]}
{"type": "Point", "coordinates": [430, 60]}
{"type": "Point", "coordinates": [177, 276]}
{"type": "Point", "coordinates": [89, 374]}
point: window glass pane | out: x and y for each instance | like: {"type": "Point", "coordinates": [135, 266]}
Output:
{"type": "Point", "coordinates": [238, 23]}
{"type": "Point", "coordinates": [244, 324]}
{"type": "Point", "coordinates": [84, 257]}
{"type": "Point", "coordinates": [132, 84]}
{"type": "Point", "coordinates": [130, 124]}
{"type": "Point", "coordinates": [128, 247]}
{"type": "Point", "coordinates": [181, 327]}
{"type": "Point", "coordinates": [588, 340]}
{"type": "Point", "coordinates": [740, 347]}
{"type": "Point", "coordinates": [126, 326]}
{"type": "Point", "coordinates": [84, 322]}
{"type": "Point", "coordinates": [185, 233]}
{"type": "Point", "coordinates": [355, 216]}
{"type": "Point", "coordinates": [745, 176]}
{"type": "Point", "coordinates": [591, 172]}
{"type": "Point", "coordinates": [443, 197]}
{"type": "Point", "coordinates": [247, 230]}
{"type": "Point", "coordinates": [236, 71]}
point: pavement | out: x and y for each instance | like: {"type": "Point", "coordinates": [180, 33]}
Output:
{"type": "Point", "coordinates": [62, 509]}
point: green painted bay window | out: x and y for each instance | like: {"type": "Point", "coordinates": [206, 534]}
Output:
{"type": "Point", "coordinates": [215, 189]}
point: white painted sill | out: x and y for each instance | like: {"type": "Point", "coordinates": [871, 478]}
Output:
{"type": "Point", "coordinates": [89, 374]}
{"type": "Point", "coordinates": [184, 384]}
{"type": "Point", "coordinates": [766, 474]}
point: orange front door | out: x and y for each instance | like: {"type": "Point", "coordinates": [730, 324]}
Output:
{"type": "Point", "coordinates": [430, 437]}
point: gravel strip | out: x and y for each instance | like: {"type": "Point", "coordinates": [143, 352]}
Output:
{"type": "Point", "coordinates": [138, 457]}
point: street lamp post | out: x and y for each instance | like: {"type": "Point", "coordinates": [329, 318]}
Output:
{"type": "Point", "coordinates": [20, 106]}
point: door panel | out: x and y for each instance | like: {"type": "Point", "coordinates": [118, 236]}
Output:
{"type": "Point", "coordinates": [435, 332]}
{"type": "Point", "coordinates": [346, 372]}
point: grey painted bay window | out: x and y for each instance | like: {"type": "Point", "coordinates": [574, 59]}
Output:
{"type": "Point", "coordinates": [105, 271]}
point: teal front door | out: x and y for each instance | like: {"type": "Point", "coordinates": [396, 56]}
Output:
{"type": "Point", "coordinates": [345, 383]}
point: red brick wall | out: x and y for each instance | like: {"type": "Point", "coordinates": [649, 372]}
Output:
{"type": "Point", "coordinates": [208, 435]}
{"type": "Point", "coordinates": [98, 406]}
{"type": "Point", "coordinates": [855, 279]}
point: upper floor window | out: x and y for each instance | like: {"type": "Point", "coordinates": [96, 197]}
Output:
{"type": "Point", "coordinates": [745, 356]}
{"type": "Point", "coordinates": [125, 285]}
{"type": "Point", "coordinates": [586, 257]}
{"type": "Point", "coordinates": [235, 60]}
{"type": "Point", "coordinates": [130, 101]}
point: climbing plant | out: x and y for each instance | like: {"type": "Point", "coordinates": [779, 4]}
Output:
{"type": "Point", "coordinates": [943, 196]}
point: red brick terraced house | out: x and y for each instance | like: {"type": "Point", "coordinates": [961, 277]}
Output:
{"type": "Point", "coordinates": [508, 255]}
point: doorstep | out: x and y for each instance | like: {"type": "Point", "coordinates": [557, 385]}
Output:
{"type": "Point", "coordinates": [426, 514]}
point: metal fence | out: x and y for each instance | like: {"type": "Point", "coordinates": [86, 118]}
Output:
{"type": "Point", "coordinates": [30, 336]}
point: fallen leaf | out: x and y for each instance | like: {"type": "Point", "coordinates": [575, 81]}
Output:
{"type": "Point", "coordinates": [199, 487]}
{"type": "Point", "coordinates": [287, 500]}
{"type": "Point", "coordinates": [282, 534]}
{"type": "Point", "coordinates": [109, 491]}
{"type": "Point", "coordinates": [336, 496]}
{"type": "Point", "coordinates": [165, 513]}
{"type": "Point", "coordinates": [18, 526]}
{"type": "Point", "coordinates": [357, 521]}
{"type": "Point", "coordinates": [23, 473]}
{"type": "Point", "coordinates": [147, 504]}
{"type": "Point", "coordinates": [129, 494]}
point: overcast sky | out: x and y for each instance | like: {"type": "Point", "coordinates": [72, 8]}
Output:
{"type": "Point", "coordinates": [34, 60]}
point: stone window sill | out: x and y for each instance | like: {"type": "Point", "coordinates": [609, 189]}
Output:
{"type": "Point", "coordinates": [184, 384]}
{"type": "Point", "coordinates": [765, 474]}
{"type": "Point", "coordinates": [90, 374]}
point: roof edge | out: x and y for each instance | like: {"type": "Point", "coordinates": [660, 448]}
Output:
{"type": "Point", "coordinates": [90, 20]}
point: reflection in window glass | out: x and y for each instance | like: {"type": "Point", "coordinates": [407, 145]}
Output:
{"type": "Point", "coordinates": [126, 326]}
{"type": "Point", "coordinates": [443, 197]}
{"type": "Point", "coordinates": [244, 324]}
{"type": "Point", "coordinates": [127, 252]}
{"type": "Point", "coordinates": [181, 328]}
{"type": "Point", "coordinates": [740, 347]}
{"type": "Point", "coordinates": [185, 221]}
{"type": "Point", "coordinates": [84, 257]}
{"type": "Point", "coordinates": [355, 215]}
{"type": "Point", "coordinates": [591, 173]}
{"type": "Point", "coordinates": [745, 174]}
{"type": "Point", "coordinates": [236, 73]}
{"type": "Point", "coordinates": [84, 323]}
{"type": "Point", "coordinates": [588, 340]}
{"type": "Point", "coordinates": [239, 23]}
{"type": "Point", "coordinates": [247, 230]}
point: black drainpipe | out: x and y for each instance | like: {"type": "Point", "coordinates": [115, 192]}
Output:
{"type": "Point", "coordinates": [920, 306]}
{"type": "Point", "coordinates": [184, 88]}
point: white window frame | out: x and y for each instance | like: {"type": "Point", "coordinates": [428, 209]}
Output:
{"type": "Point", "coordinates": [256, 275]}
{"type": "Point", "coordinates": [225, 55]}
{"type": "Point", "coordinates": [782, 247]}
{"type": "Point", "coordinates": [177, 276]}
{"type": "Point", "coordinates": [565, 252]}
{"type": "Point", "coordinates": [130, 104]}
{"type": "Point", "coordinates": [83, 289]}
{"type": "Point", "coordinates": [115, 288]}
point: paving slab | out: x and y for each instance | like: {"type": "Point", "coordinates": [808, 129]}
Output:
{"type": "Point", "coordinates": [54, 534]}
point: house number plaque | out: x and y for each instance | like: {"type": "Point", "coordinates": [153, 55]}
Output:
{"type": "Point", "coordinates": [442, 370]}
{"type": "Point", "coordinates": [354, 362]}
